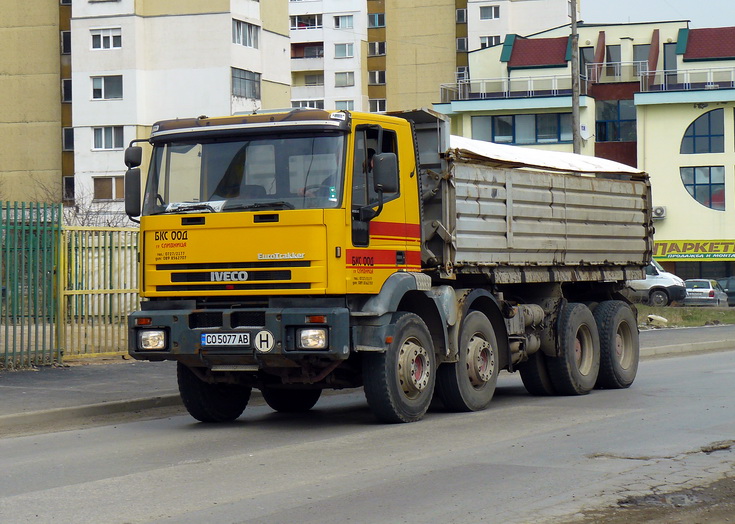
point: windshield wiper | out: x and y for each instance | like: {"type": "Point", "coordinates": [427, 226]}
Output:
{"type": "Point", "coordinates": [186, 207]}
{"type": "Point", "coordinates": [279, 204]}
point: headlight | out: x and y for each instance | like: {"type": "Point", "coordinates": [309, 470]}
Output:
{"type": "Point", "coordinates": [312, 338]}
{"type": "Point", "coordinates": [152, 339]}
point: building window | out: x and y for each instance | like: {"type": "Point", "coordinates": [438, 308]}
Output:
{"type": "Point", "coordinates": [461, 16]}
{"type": "Point", "coordinates": [376, 48]}
{"type": "Point", "coordinates": [245, 83]}
{"type": "Point", "coordinates": [376, 20]}
{"type": "Point", "coordinates": [377, 105]}
{"type": "Point", "coordinates": [586, 56]}
{"type": "Point", "coordinates": [343, 51]}
{"type": "Point", "coordinates": [306, 22]}
{"type": "Point", "coordinates": [489, 12]}
{"type": "Point", "coordinates": [347, 105]}
{"type": "Point", "coordinates": [344, 79]}
{"type": "Point", "coordinates": [462, 44]}
{"type": "Point", "coordinates": [66, 42]}
{"type": "Point", "coordinates": [612, 59]}
{"type": "Point", "coordinates": [640, 57]}
{"type": "Point", "coordinates": [106, 38]}
{"type": "Point", "coordinates": [463, 73]}
{"type": "Point", "coordinates": [65, 2]}
{"type": "Point", "coordinates": [109, 188]}
{"type": "Point", "coordinates": [343, 22]}
{"type": "Point", "coordinates": [542, 128]}
{"type": "Point", "coordinates": [310, 50]}
{"type": "Point", "coordinates": [108, 137]}
{"type": "Point", "coordinates": [66, 90]}
{"type": "Point", "coordinates": [107, 87]}
{"type": "Point", "coordinates": [706, 134]}
{"type": "Point", "coordinates": [68, 182]}
{"type": "Point", "coordinates": [706, 185]}
{"type": "Point", "coordinates": [245, 34]}
{"type": "Point", "coordinates": [314, 80]}
{"type": "Point", "coordinates": [376, 77]}
{"type": "Point", "coordinates": [488, 41]}
{"type": "Point", "coordinates": [615, 121]}
{"type": "Point", "coordinates": [67, 140]}
{"type": "Point", "coordinates": [310, 104]}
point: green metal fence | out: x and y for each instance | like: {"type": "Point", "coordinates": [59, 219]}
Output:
{"type": "Point", "coordinates": [29, 300]}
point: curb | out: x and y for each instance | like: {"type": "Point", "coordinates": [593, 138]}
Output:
{"type": "Point", "coordinates": [691, 348]}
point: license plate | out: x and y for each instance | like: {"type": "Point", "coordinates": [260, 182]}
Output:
{"type": "Point", "coordinates": [225, 339]}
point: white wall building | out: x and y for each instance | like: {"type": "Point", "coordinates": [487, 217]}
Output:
{"type": "Point", "coordinates": [328, 46]}
{"type": "Point", "coordinates": [488, 21]}
{"type": "Point", "coordinates": [134, 63]}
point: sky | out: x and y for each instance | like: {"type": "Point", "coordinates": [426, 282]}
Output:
{"type": "Point", "coordinates": [702, 13]}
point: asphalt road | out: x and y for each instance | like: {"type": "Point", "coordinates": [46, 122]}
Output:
{"type": "Point", "coordinates": [526, 459]}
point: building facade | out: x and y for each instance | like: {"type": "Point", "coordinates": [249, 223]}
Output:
{"type": "Point", "coordinates": [658, 96]}
{"type": "Point", "coordinates": [135, 62]}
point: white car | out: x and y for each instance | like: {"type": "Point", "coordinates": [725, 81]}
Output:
{"type": "Point", "coordinates": [660, 288]}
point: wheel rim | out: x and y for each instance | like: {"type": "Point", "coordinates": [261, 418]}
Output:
{"type": "Point", "coordinates": [583, 350]}
{"type": "Point", "coordinates": [624, 346]}
{"type": "Point", "coordinates": [414, 368]}
{"type": "Point", "coordinates": [480, 360]}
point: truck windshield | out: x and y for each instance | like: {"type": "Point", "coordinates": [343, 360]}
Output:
{"type": "Point", "coordinates": [266, 172]}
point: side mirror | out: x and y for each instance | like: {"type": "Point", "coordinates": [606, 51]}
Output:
{"type": "Point", "coordinates": [132, 191]}
{"type": "Point", "coordinates": [133, 156]}
{"type": "Point", "coordinates": [385, 172]}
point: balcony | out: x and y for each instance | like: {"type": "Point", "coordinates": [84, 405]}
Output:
{"type": "Point", "coordinates": [612, 72]}
{"type": "Point", "coordinates": [307, 64]}
{"type": "Point", "coordinates": [688, 80]}
{"type": "Point", "coordinates": [520, 87]}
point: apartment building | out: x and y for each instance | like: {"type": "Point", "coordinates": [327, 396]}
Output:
{"type": "Point", "coordinates": [383, 55]}
{"type": "Point", "coordinates": [134, 63]}
{"type": "Point", "coordinates": [658, 95]}
{"type": "Point", "coordinates": [33, 58]}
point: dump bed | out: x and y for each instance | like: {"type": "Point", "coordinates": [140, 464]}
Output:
{"type": "Point", "coordinates": [524, 215]}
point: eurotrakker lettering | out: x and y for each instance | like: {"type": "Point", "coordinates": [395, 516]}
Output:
{"type": "Point", "coordinates": [281, 256]}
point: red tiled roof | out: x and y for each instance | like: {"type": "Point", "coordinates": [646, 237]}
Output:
{"type": "Point", "coordinates": [537, 52]}
{"type": "Point", "coordinates": [713, 42]}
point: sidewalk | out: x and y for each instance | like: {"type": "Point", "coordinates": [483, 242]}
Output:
{"type": "Point", "coordinates": [115, 386]}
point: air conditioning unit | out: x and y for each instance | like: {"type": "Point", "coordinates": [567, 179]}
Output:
{"type": "Point", "coordinates": [659, 212]}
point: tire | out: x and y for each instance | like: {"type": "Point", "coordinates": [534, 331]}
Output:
{"type": "Point", "coordinates": [290, 400]}
{"type": "Point", "coordinates": [535, 375]}
{"type": "Point", "coordinates": [469, 383]}
{"type": "Point", "coordinates": [575, 370]}
{"type": "Point", "coordinates": [211, 402]}
{"type": "Point", "coordinates": [399, 382]}
{"type": "Point", "coordinates": [658, 298]}
{"type": "Point", "coordinates": [619, 345]}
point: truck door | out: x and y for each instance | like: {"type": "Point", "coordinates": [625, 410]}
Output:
{"type": "Point", "coordinates": [378, 244]}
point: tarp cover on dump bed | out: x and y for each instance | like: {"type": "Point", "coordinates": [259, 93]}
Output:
{"type": "Point", "coordinates": [514, 156]}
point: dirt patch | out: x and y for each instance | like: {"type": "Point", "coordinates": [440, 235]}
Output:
{"type": "Point", "coordinates": [711, 504]}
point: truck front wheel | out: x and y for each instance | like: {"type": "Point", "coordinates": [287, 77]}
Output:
{"type": "Point", "coordinates": [469, 383]}
{"type": "Point", "coordinates": [290, 400]}
{"type": "Point", "coordinates": [575, 370]}
{"type": "Point", "coordinates": [399, 382]}
{"type": "Point", "coordinates": [211, 402]}
{"type": "Point", "coordinates": [619, 345]}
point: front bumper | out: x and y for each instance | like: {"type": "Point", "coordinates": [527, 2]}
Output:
{"type": "Point", "coordinates": [272, 335]}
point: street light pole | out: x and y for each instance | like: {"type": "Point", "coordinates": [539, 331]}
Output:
{"type": "Point", "coordinates": [576, 138]}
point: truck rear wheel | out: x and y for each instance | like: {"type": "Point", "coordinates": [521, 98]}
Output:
{"type": "Point", "coordinates": [575, 370]}
{"type": "Point", "coordinates": [469, 383]}
{"type": "Point", "coordinates": [399, 382]}
{"type": "Point", "coordinates": [211, 402]}
{"type": "Point", "coordinates": [290, 400]}
{"type": "Point", "coordinates": [535, 375]}
{"type": "Point", "coordinates": [619, 344]}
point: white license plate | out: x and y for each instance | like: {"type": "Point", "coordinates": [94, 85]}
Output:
{"type": "Point", "coordinates": [225, 339]}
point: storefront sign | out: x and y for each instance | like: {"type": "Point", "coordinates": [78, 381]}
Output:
{"type": "Point", "coordinates": [694, 250]}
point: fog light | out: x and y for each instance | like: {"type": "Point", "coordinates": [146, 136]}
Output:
{"type": "Point", "coordinates": [312, 338]}
{"type": "Point", "coordinates": [152, 339]}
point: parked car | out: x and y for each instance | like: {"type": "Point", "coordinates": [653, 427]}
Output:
{"type": "Point", "coordinates": [660, 288]}
{"type": "Point", "coordinates": [728, 284]}
{"type": "Point", "coordinates": [702, 292]}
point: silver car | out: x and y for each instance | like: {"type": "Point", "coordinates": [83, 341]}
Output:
{"type": "Point", "coordinates": [701, 292]}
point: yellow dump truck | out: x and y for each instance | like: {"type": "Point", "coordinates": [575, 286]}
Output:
{"type": "Point", "coordinates": [299, 251]}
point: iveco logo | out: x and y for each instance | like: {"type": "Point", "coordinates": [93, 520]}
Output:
{"type": "Point", "coordinates": [228, 276]}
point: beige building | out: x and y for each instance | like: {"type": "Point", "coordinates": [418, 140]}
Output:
{"type": "Point", "coordinates": [31, 44]}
